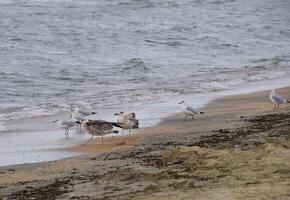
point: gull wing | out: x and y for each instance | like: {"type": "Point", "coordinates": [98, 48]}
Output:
{"type": "Point", "coordinates": [278, 98]}
{"type": "Point", "coordinates": [191, 109]}
{"type": "Point", "coordinates": [85, 112]}
{"type": "Point", "coordinates": [68, 123]}
{"type": "Point", "coordinates": [100, 124]}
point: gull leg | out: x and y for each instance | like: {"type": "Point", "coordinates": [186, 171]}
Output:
{"type": "Point", "coordinates": [66, 132]}
{"type": "Point", "coordinates": [185, 117]}
{"type": "Point", "coordinates": [278, 106]}
{"type": "Point", "coordinates": [88, 141]}
{"type": "Point", "coordinates": [192, 117]}
{"type": "Point", "coordinates": [102, 139]}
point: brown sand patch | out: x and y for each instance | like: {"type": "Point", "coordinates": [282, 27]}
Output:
{"type": "Point", "coordinates": [109, 144]}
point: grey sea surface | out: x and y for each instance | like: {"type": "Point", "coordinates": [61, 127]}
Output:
{"type": "Point", "coordinates": [114, 52]}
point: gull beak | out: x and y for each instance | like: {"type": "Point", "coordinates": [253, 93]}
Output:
{"type": "Point", "coordinates": [93, 113]}
{"type": "Point", "coordinates": [78, 122]}
{"type": "Point", "coordinates": [181, 102]}
{"type": "Point", "coordinates": [116, 114]}
{"type": "Point", "coordinates": [54, 121]}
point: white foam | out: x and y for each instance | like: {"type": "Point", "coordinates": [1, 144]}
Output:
{"type": "Point", "coordinates": [2, 126]}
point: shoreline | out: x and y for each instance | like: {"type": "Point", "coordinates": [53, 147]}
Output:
{"type": "Point", "coordinates": [234, 126]}
{"type": "Point", "coordinates": [84, 151]}
{"type": "Point", "coordinates": [166, 120]}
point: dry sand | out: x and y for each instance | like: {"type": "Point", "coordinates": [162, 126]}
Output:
{"type": "Point", "coordinates": [239, 149]}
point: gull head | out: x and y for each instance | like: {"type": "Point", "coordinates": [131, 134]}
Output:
{"type": "Point", "coordinates": [132, 115]}
{"type": "Point", "coordinates": [272, 91]}
{"type": "Point", "coordinates": [74, 108]}
{"type": "Point", "coordinates": [119, 113]}
{"type": "Point", "coordinates": [80, 122]}
{"type": "Point", "coordinates": [181, 102]}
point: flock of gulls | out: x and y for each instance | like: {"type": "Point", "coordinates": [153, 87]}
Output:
{"type": "Point", "coordinates": [80, 117]}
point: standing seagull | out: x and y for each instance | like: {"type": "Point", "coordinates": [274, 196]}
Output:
{"type": "Point", "coordinates": [65, 125]}
{"type": "Point", "coordinates": [97, 128]}
{"type": "Point", "coordinates": [78, 114]}
{"type": "Point", "coordinates": [277, 99]}
{"type": "Point", "coordinates": [188, 110]}
{"type": "Point", "coordinates": [127, 121]}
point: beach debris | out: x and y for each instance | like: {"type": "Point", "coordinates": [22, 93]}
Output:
{"type": "Point", "coordinates": [188, 110]}
{"type": "Point", "coordinates": [277, 99]}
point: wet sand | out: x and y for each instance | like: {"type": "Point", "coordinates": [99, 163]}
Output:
{"type": "Point", "coordinates": [239, 149]}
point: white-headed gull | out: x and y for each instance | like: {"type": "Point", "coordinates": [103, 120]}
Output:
{"type": "Point", "coordinates": [65, 124]}
{"type": "Point", "coordinates": [277, 99]}
{"type": "Point", "coordinates": [188, 110]}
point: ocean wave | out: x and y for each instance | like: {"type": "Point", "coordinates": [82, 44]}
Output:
{"type": "Point", "coordinates": [168, 43]}
{"type": "Point", "coordinates": [270, 68]}
{"type": "Point", "coordinates": [2, 126]}
{"type": "Point", "coordinates": [80, 56]}
{"type": "Point", "coordinates": [137, 96]}
{"type": "Point", "coordinates": [134, 66]}
{"type": "Point", "coordinates": [32, 111]}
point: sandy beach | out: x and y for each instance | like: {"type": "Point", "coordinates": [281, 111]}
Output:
{"type": "Point", "coordinates": [239, 149]}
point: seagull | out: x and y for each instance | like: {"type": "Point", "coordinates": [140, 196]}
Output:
{"type": "Point", "coordinates": [127, 121]}
{"type": "Point", "coordinates": [123, 117]}
{"type": "Point", "coordinates": [65, 125]}
{"type": "Point", "coordinates": [78, 114]}
{"type": "Point", "coordinates": [277, 99]}
{"type": "Point", "coordinates": [188, 110]}
{"type": "Point", "coordinates": [98, 128]}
